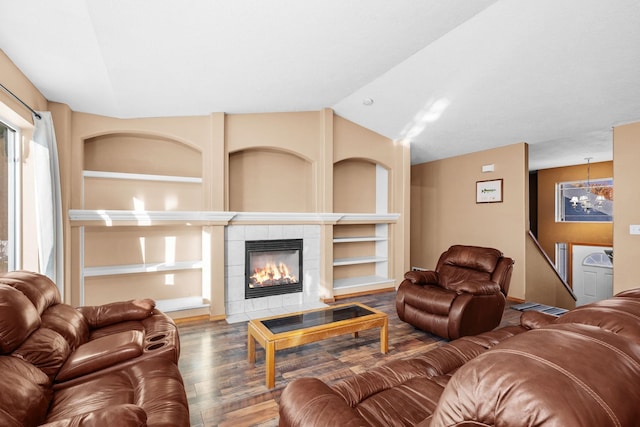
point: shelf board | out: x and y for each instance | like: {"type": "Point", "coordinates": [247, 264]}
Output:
{"type": "Point", "coordinates": [364, 218]}
{"type": "Point", "coordinates": [110, 270]}
{"type": "Point", "coordinates": [110, 218]}
{"type": "Point", "coordinates": [358, 260]}
{"type": "Point", "coordinates": [141, 177]}
{"type": "Point", "coordinates": [359, 239]}
{"type": "Point", "coordinates": [177, 304]}
{"type": "Point", "coordinates": [353, 282]}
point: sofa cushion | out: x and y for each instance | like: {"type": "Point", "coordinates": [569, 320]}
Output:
{"type": "Point", "coordinates": [40, 290]}
{"type": "Point", "coordinates": [475, 287]}
{"type": "Point", "coordinates": [18, 318]}
{"type": "Point", "coordinates": [126, 416]}
{"type": "Point", "coordinates": [45, 349]}
{"type": "Point", "coordinates": [25, 370]}
{"type": "Point", "coordinates": [560, 375]}
{"type": "Point", "coordinates": [617, 315]}
{"type": "Point", "coordinates": [155, 385]}
{"type": "Point", "coordinates": [68, 322]}
{"type": "Point", "coordinates": [23, 402]}
{"type": "Point", "coordinates": [102, 353]}
{"type": "Point", "coordinates": [450, 276]}
{"type": "Point", "coordinates": [471, 257]}
{"type": "Point", "coordinates": [430, 299]}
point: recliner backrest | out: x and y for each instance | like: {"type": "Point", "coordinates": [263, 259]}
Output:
{"type": "Point", "coordinates": [45, 297]}
{"type": "Point", "coordinates": [461, 263]}
{"type": "Point", "coordinates": [40, 290]}
{"type": "Point", "coordinates": [472, 257]}
{"type": "Point", "coordinates": [18, 318]}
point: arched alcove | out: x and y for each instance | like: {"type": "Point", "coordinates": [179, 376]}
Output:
{"type": "Point", "coordinates": [141, 153]}
{"type": "Point", "coordinates": [264, 180]}
{"type": "Point", "coordinates": [359, 187]}
{"type": "Point", "coordinates": [133, 171]}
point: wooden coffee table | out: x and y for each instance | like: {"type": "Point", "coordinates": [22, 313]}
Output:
{"type": "Point", "coordinates": [292, 330]}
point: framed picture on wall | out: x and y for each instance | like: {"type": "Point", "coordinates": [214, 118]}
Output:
{"type": "Point", "coordinates": [489, 191]}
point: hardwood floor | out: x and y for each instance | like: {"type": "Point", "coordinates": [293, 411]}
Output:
{"type": "Point", "coordinates": [225, 390]}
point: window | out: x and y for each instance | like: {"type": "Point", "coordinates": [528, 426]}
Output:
{"type": "Point", "coordinates": [9, 199]}
{"type": "Point", "coordinates": [585, 201]}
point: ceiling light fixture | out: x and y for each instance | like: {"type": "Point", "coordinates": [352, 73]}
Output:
{"type": "Point", "coordinates": [585, 200]}
{"type": "Point", "coordinates": [367, 101]}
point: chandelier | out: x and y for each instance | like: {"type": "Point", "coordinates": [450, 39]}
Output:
{"type": "Point", "coordinates": [584, 201]}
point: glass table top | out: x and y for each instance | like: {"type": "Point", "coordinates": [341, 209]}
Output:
{"type": "Point", "coordinates": [315, 318]}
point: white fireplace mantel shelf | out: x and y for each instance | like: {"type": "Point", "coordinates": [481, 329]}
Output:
{"type": "Point", "coordinates": [110, 218]}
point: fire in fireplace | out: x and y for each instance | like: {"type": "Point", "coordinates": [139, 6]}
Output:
{"type": "Point", "coordinates": [273, 267]}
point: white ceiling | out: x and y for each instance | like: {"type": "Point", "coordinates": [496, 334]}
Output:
{"type": "Point", "coordinates": [450, 76]}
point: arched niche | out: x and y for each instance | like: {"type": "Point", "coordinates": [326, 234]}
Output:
{"type": "Point", "coordinates": [143, 154]}
{"type": "Point", "coordinates": [267, 180]}
{"type": "Point", "coordinates": [137, 171]}
{"type": "Point", "coordinates": [360, 186]}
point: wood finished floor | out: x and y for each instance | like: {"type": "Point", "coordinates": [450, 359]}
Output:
{"type": "Point", "coordinates": [223, 389]}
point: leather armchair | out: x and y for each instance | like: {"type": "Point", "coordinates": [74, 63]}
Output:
{"type": "Point", "coordinates": [464, 295]}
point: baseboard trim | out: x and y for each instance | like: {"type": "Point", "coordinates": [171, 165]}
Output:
{"type": "Point", "coordinates": [359, 294]}
{"type": "Point", "coordinates": [200, 318]}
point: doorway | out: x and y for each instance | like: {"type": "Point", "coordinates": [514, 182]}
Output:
{"type": "Point", "coordinates": [591, 273]}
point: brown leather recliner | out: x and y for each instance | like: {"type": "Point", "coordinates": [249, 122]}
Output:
{"type": "Point", "coordinates": [464, 295]}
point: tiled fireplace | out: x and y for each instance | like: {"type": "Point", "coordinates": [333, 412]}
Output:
{"type": "Point", "coordinates": [273, 267]}
{"type": "Point", "coordinates": [241, 307]}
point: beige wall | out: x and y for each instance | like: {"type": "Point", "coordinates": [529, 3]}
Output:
{"type": "Point", "coordinates": [544, 285]}
{"type": "Point", "coordinates": [444, 210]}
{"type": "Point", "coordinates": [551, 232]}
{"type": "Point", "coordinates": [626, 176]}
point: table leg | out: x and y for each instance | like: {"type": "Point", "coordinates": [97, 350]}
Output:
{"type": "Point", "coordinates": [384, 336]}
{"type": "Point", "coordinates": [251, 347]}
{"type": "Point", "coordinates": [270, 364]}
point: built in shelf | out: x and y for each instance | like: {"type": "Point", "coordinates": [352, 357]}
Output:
{"type": "Point", "coordinates": [111, 218]}
{"type": "Point", "coordinates": [141, 177]}
{"type": "Point", "coordinates": [177, 304]}
{"type": "Point", "coordinates": [110, 270]}
{"type": "Point", "coordinates": [364, 218]}
{"type": "Point", "coordinates": [358, 260]}
{"type": "Point", "coordinates": [354, 282]}
{"type": "Point", "coordinates": [359, 239]}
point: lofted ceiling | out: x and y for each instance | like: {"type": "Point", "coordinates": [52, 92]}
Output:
{"type": "Point", "coordinates": [449, 76]}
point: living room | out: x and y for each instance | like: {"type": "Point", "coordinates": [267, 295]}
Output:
{"type": "Point", "coordinates": [125, 222]}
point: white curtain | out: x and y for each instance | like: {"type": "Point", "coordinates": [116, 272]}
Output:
{"type": "Point", "coordinates": [48, 200]}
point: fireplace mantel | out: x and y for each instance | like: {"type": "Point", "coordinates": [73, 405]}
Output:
{"type": "Point", "coordinates": [112, 218]}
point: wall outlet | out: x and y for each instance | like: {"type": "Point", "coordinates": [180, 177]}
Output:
{"type": "Point", "coordinates": [634, 229]}
{"type": "Point", "coordinates": [418, 269]}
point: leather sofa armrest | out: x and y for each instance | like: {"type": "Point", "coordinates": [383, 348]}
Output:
{"type": "Point", "coordinates": [108, 314]}
{"type": "Point", "coordinates": [125, 415]}
{"type": "Point", "coordinates": [629, 293]}
{"type": "Point", "coordinates": [474, 287]}
{"type": "Point", "coordinates": [536, 319]}
{"type": "Point", "coordinates": [102, 353]}
{"type": "Point", "coordinates": [422, 277]}
{"type": "Point", "coordinates": [309, 401]}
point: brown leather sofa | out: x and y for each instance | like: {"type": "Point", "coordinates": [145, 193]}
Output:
{"type": "Point", "coordinates": [579, 369]}
{"type": "Point", "coordinates": [114, 364]}
{"type": "Point", "coordinates": [464, 295]}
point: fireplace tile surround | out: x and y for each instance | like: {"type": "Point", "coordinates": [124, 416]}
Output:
{"type": "Point", "coordinates": [239, 309]}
